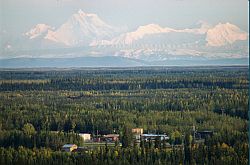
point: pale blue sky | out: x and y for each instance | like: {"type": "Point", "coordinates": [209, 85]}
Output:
{"type": "Point", "coordinates": [20, 15]}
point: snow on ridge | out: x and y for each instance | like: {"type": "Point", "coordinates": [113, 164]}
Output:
{"type": "Point", "coordinates": [219, 35]}
{"type": "Point", "coordinates": [223, 34]}
{"type": "Point", "coordinates": [81, 29]}
{"type": "Point", "coordinates": [130, 37]}
{"type": "Point", "coordinates": [86, 29]}
{"type": "Point", "coordinates": [38, 30]}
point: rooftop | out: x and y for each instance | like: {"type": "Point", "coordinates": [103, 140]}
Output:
{"type": "Point", "coordinates": [84, 134]}
{"type": "Point", "coordinates": [68, 145]}
{"type": "Point", "coordinates": [154, 135]}
{"type": "Point", "coordinates": [111, 135]}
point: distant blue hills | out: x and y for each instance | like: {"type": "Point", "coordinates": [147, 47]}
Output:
{"type": "Point", "coordinates": [113, 61]}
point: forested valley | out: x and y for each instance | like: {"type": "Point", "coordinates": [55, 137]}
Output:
{"type": "Point", "coordinates": [43, 109]}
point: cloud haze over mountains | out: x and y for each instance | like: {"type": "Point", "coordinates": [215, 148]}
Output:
{"type": "Point", "coordinates": [87, 35]}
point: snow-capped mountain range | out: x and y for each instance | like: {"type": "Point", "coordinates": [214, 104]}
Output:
{"type": "Point", "coordinates": [219, 35]}
{"type": "Point", "coordinates": [91, 36]}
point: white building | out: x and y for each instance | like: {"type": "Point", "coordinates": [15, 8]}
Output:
{"type": "Point", "coordinates": [152, 137]}
{"type": "Point", "coordinates": [85, 136]}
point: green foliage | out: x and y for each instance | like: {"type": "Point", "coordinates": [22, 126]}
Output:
{"type": "Point", "coordinates": [127, 137]}
{"type": "Point", "coordinates": [28, 129]}
{"type": "Point", "coordinates": [42, 110]}
{"type": "Point", "coordinates": [176, 137]}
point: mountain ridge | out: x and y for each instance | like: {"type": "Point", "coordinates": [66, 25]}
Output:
{"type": "Point", "coordinates": [88, 29]}
{"type": "Point", "coordinates": [85, 34]}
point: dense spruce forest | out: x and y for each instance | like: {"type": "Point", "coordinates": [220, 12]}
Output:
{"type": "Point", "coordinates": [43, 109]}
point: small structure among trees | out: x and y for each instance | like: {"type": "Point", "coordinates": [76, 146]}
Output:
{"type": "Point", "coordinates": [153, 137]}
{"type": "Point", "coordinates": [203, 134]}
{"type": "Point", "coordinates": [69, 147]}
{"type": "Point", "coordinates": [111, 137]}
{"type": "Point", "coordinates": [137, 132]}
{"type": "Point", "coordinates": [85, 136]}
